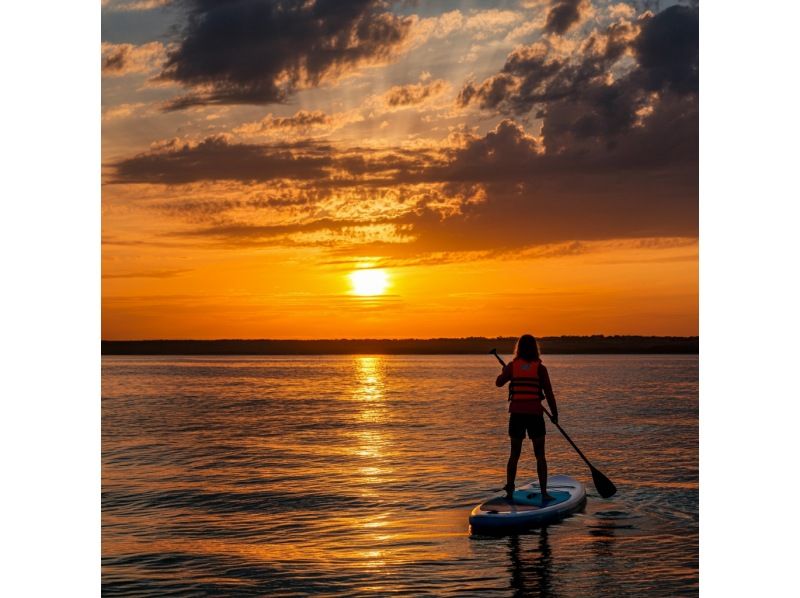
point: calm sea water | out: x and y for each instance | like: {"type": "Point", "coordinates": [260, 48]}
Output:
{"type": "Point", "coordinates": [355, 475]}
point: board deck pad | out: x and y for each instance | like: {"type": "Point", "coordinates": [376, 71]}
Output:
{"type": "Point", "coordinates": [524, 500]}
{"type": "Point", "coordinates": [525, 508]}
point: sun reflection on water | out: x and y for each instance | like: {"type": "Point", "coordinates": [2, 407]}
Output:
{"type": "Point", "coordinates": [371, 436]}
{"type": "Point", "coordinates": [370, 374]}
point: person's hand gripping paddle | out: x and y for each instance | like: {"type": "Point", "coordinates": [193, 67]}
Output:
{"type": "Point", "coordinates": [605, 487]}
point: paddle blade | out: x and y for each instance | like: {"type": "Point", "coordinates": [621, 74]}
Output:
{"type": "Point", "coordinates": [605, 487]}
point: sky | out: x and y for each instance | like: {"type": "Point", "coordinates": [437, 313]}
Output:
{"type": "Point", "coordinates": [497, 167]}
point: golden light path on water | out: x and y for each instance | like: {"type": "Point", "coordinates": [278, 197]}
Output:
{"type": "Point", "coordinates": [370, 377]}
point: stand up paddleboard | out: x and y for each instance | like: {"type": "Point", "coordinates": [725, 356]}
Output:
{"type": "Point", "coordinates": [526, 510]}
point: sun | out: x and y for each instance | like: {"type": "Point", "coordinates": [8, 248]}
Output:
{"type": "Point", "coordinates": [369, 282]}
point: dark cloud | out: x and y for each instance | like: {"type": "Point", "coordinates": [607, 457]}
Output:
{"type": "Point", "coordinates": [533, 197]}
{"type": "Point", "coordinates": [303, 119]}
{"type": "Point", "coordinates": [592, 101]}
{"type": "Point", "coordinates": [491, 93]}
{"type": "Point", "coordinates": [123, 59]}
{"type": "Point", "coordinates": [667, 50]}
{"type": "Point", "coordinates": [249, 234]}
{"type": "Point", "coordinates": [216, 159]}
{"type": "Point", "coordinates": [507, 155]}
{"type": "Point", "coordinates": [563, 14]}
{"type": "Point", "coordinates": [321, 166]}
{"type": "Point", "coordinates": [256, 52]}
{"type": "Point", "coordinates": [507, 190]}
{"type": "Point", "coordinates": [562, 208]}
{"type": "Point", "coordinates": [114, 61]}
{"type": "Point", "coordinates": [203, 210]}
{"type": "Point", "coordinates": [413, 94]}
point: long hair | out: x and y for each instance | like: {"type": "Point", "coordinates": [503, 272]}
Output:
{"type": "Point", "coordinates": [527, 348]}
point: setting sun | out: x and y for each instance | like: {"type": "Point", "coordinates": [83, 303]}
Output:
{"type": "Point", "coordinates": [369, 282]}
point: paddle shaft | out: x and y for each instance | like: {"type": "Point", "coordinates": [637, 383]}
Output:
{"type": "Point", "coordinates": [560, 429]}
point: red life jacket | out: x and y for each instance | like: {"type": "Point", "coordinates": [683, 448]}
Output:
{"type": "Point", "coordinates": [524, 392]}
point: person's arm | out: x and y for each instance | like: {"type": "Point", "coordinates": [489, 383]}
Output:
{"type": "Point", "coordinates": [547, 390]}
{"type": "Point", "coordinates": [504, 376]}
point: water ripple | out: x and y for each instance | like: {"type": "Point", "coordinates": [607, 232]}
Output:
{"type": "Point", "coordinates": [236, 476]}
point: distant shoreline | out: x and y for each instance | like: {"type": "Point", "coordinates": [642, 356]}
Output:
{"type": "Point", "coordinates": [553, 345]}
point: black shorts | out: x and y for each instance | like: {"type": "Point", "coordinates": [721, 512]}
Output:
{"type": "Point", "coordinates": [518, 423]}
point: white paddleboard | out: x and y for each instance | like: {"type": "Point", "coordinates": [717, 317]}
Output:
{"type": "Point", "coordinates": [526, 509]}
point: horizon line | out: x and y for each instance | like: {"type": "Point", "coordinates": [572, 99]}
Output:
{"type": "Point", "coordinates": [404, 338]}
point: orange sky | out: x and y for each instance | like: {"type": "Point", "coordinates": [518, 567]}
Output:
{"type": "Point", "coordinates": [510, 166]}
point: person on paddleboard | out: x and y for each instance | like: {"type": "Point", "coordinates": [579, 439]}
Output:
{"type": "Point", "coordinates": [529, 385]}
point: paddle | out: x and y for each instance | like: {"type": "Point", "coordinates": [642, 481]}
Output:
{"type": "Point", "coordinates": [605, 487]}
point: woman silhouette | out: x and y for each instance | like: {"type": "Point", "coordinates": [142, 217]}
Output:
{"type": "Point", "coordinates": [529, 385]}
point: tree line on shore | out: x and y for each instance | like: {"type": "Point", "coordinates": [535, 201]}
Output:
{"type": "Point", "coordinates": [597, 344]}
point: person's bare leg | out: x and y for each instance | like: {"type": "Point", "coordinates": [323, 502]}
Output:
{"type": "Point", "coordinates": [511, 467]}
{"type": "Point", "coordinates": [541, 465]}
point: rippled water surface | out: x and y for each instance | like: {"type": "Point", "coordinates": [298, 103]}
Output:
{"type": "Point", "coordinates": [355, 475]}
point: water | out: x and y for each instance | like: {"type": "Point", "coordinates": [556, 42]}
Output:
{"type": "Point", "coordinates": [355, 475]}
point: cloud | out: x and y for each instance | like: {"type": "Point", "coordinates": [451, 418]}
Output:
{"type": "Point", "coordinates": [497, 192]}
{"type": "Point", "coordinates": [564, 14]}
{"type": "Point", "coordinates": [528, 26]}
{"type": "Point", "coordinates": [301, 123]}
{"type": "Point", "coordinates": [548, 251]}
{"type": "Point", "coordinates": [148, 274]}
{"type": "Point", "coordinates": [621, 10]}
{"type": "Point", "coordinates": [316, 122]}
{"type": "Point", "coordinates": [546, 219]}
{"type": "Point", "coordinates": [215, 159]}
{"type": "Point", "coordinates": [202, 206]}
{"type": "Point", "coordinates": [135, 5]}
{"type": "Point", "coordinates": [619, 82]}
{"type": "Point", "coordinates": [506, 155]}
{"type": "Point", "coordinates": [491, 21]}
{"type": "Point", "coordinates": [254, 52]}
{"type": "Point", "coordinates": [125, 59]}
{"type": "Point", "coordinates": [122, 111]}
{"type": "Point", "coordinates": [324, 232]}
{"type": "Point", "coordinates": [402, 96]}
{"type": "Point", "coordinates": [474, 22]}
{"type": "Point", "coordinates": [667, 50]}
